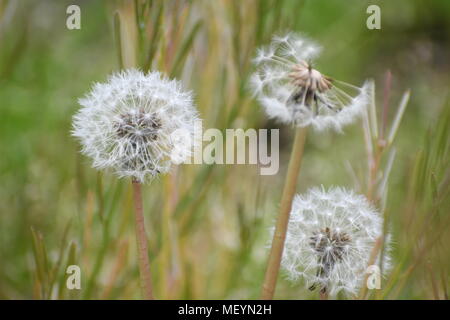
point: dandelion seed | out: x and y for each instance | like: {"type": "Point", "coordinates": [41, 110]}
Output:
{"type": "Point", "coordinates": [292, 91]}
{"type": "Point", "coordinates": [129, 123]}
{"type": "Point", "coordinates": [330, 252]}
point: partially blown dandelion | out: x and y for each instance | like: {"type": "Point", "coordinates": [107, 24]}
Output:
{"type": "Point", "coordinates": [330, 238]}
{"type": "Point", "coordinates": [132, 123]}
{"type": "Point", "coordinates": [292, 91]}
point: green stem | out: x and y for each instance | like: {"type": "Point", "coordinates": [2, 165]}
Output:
{"type": "Point", "coordinates": [279, 236]}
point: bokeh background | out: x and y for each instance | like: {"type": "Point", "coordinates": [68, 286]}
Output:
{"type": "Point", "coordinates": [209, 226]}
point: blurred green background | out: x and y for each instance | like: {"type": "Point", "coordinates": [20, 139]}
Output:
{"type": "Point", "coordinates": [209, 226]}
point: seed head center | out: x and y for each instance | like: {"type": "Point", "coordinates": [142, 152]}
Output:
{"type": "Point", "coordinates": [330, 245]}
{"type": "Point", "coordinates": [305, 77]}
{"type": "Point", "coordinates": [138, 125]}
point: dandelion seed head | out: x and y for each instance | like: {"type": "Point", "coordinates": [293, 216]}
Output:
{"type": "Point", "coordinates": [291, 91]}
{"type": "Point", "coordinates": [328, 246]}
{"type": "Point", "coordinates": [127, 123]}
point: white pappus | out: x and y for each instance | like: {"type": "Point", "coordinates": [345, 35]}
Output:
{"type": "Point", "coordinates": [292, 91]}
{"type": "Point", "coordinates": [133, 124]}
{"type": "Point", "coordinates": [331, 234]}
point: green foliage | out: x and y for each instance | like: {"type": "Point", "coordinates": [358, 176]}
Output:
{"type": "Point", "coordinates": [208, 224]}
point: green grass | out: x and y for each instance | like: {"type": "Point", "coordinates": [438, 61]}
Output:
{"type": "Point", "coordinates": [55, 210]}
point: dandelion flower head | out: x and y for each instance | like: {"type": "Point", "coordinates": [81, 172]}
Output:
{"type": "Point", "coordinates": [330, 238]}
{"type": "Point", "coordinates": [133, 124]}
{"type": "Point", "coordinates": [292, 91]}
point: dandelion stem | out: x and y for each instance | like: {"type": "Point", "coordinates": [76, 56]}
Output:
{"type": "Point", "coordinates": [324, 294]}
{"type": "Point", "coordinates": [141, 237]}
{"type": "Point", "coordinates": [276, 251]}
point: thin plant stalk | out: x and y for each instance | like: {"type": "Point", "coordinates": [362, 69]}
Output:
{"type": "Point", "coordinates": [141, 238]}
{"type": "Point", "coordinates": [324, 294]}
{"type": "Point", "coordinates": [279, 236]}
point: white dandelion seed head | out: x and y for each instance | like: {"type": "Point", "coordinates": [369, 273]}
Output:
{"type": "Point", "coordinates": [292, 92]}
{"type": "Point", "coordinates": [330, 238]}
{"type": "Point", "coordinates": [133, 124]}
